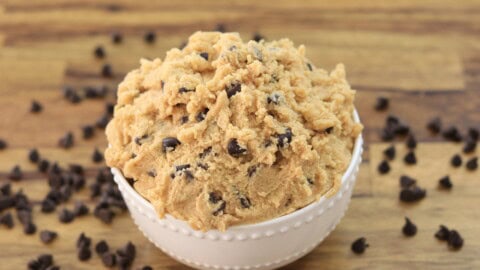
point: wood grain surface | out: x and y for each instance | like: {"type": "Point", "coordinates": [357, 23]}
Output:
{"type": "Point", "coordinates": [423, 55]}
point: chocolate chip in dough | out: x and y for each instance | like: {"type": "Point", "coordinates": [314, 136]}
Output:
{"type": "Point", "coordinates": [169, 144]}
{"type": "Point", "coordinates": [234, 149]}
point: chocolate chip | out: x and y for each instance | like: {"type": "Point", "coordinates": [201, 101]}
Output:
{"type": "Point", "coordinates": [29, 228]}
{"type": "Point", "coordinates": [234, 149]}
{"type": "Point", "coordinates": [233, 89]}
{"type": "Point", "coordinates": [204, 55]}
{"type": "Point", "coordinates": [473, 134]}
{"type": "Point", "coordinates": [102, 122]}
{"type": "Point", "coordinates": [472, 164]}
{"type": "Point", "coordinates": [182, 167]}
{"type": "Point", "coordinates": [456, 161]}
{"type": "Point", "coordinates": [117, 38]}
{"type": "Point", "coordinates": [88, 131]}
{"type": "Point", "coordinates": [127, 251]}
{"type": "Point", "coordinates": [401, 129]}
{"type": "Point", "coordinates": [80, 209]}
{"type": "Point", "coordinates": [203, 166]}
{"type": "Point", "coordinates": [109, 259]}
{"type": "Point", "coordinates": [36, 107]}
{"type": "Point", "coordinates": [383, 167]}
{"type": "Point", "coordinates": [182, 90]}
{"type": "Point", "coordinates": [434, 125]}
{"type": "Point", "coordinates": [382, 104]}
{"type": "Point", "coordinates": [183, 45]}
{"type": "Point", "coordinates": [66, 216]}
{"type": "Point", "coordinates": [7, 220]}
{"type": "Point", "coordinates": [410, 158]}
{"type": "Point", "coordinates": [184, 119]}
{"type": "Point", "coordinates": [445, 182]}
{"type": "Point", "coordinates": [84, 254]}
{"type": "Point", "coordinates": [45, 260]}
{"type": "Point", "coordinates": [24, 216]}
{"type": "Point", "coordinates": [359, 245]}
{"type": "Point", "coordinates": [16, 173]}
{"type": "Point", "coordinates": [99, 52]}
{"type": "Point", "coordinates": [411, 142]}
{"type": "Point", "coordinates": [455, 240]}
{"type": "Point", "coordinates": [387, 134]}
{"type": "Point", "coordinates": [48, 206]}
{"type": "Point", "coordinates": [220, 209]}
{"type": "Point", "coordinates": [147, 267]}
{"type": "Point", "coordinates": [285, 139]}
{"type": "Point", "coordinates": [214, 197]}
{"type": "Point", "coordinates": [452, 134]}
{"type": "Point", "coordinates": [329, 130]}
{"type": "Point", "coordinates": [409, 229]}
{"type": "Point", "coordinates": [220, 27]}
{"type": "Point", "coordinates": [309, 66]}
{"type": "Point", "coordinates": [251, 170]}
{"type": "Point", "coordinates": [97, 156]}
{"type": "Point", "coordinates": [106, 71]}
{"type": "Point", "coordinates": [3, 144]}
{"type": "Point", "coordinates": [33, 156]}
{"type": "Point", "coordinates": [6, 189]}
{"type": "Point", "coordinates": [95, 92]}
{"type": "Point", "coordinates": [201, 115]}
{"type": "Point", "coordinates": [390, 152]}
{"type": "Point", "coordinates": [76, 169]}
{"type": "Point", "coordinates": [102, 247]}
{"type": "Point", "coordinates": [412, 194]}
{"type": "Point", "coordinates": [150, 37]}
{"type": "Point", "coordinates": [66, 141]}
{"type": "Point", "coordinates": [104, 214]}
{"type": "Point", "coordinates": [273, 98]}
{"type": "Point", "coordinates": [83, 241]}
{"type": "Point", "coordinates": [205, 152]}
{"type": "Point", "coordinates": [47, 236]}
{"type": "Point", "coordinates": [43, 165]}
{"type": "Point", "coordinates": [407, 181]}
{"type": "Point", "coordinates": [257, 37]}
{"type": "Point", "coordinates": [139, 140]}
{"type": "Point", "coordinates": [169, 144]}
{"type": "Point", "coordinates": [470, 146]}
{"type": "Point", "coordinates": [6, 202]}
{"type": "Point", "coordinates": [33, 265]}
{"type": "Point", "coordinates": [245, 202]}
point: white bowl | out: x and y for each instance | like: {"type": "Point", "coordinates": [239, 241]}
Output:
{"type": "Point", "coordinates": [264, 245]}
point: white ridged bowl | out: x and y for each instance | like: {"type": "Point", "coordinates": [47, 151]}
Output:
{"type": "Point", "coordinates": [264, 245]}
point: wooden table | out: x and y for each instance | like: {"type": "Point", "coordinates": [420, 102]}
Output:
{"type": "Point", "coordinates": [423, 55]}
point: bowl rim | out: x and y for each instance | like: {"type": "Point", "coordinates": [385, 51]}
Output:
{"type": "Point", "coordinates": [356, 155]}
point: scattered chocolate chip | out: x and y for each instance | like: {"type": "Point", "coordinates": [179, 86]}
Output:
{"type": "Point", "coordinates": [257, 37]}
{"type": "Point", "coordinates": [104, 214]}
{"type": "Point", "coordinates": [407, 181]}
{"type": "Point", "coordinates": [390, 152]}
{"type": "Point", "coordinates": [435, 125]}
{"type": "Point", "coordinates": [150, 37]}
{"type": "Point", "coordinates": [473, 134]}
{"type": "Point", "coordinates": [452, 134]}
{"type": "Point", "coordinates": [220, 209]}
{"type": "Point", "coordinates": [33, 155]}
{"type": "Point", "coordinates": [233, 89]}
{"type": "Point", "coordinates": [146, 267]}
{"type": "Point", "coordinates": [97, 156]}
{"type": "Point", "coordinates": [285, 139]}
{"type": "Point", "coordinates": [6, 202]}
{"type": "Point", "coordinates": [29, 228]}
{"type": "Point", "coordinates": [80, 209]}
{"type": "Point", "coordinates": [109, 259]}
{"type": "Point", "coordinates": [66, 141]}
{"type": "Point", "coordinates": [102, 247]}
{"type": "Point", "coordinates": [84, 254]}
{"type": "Point", "coordinates": [7, 220]}
{"type": "Point", "coordinates": [95, 92]}
{"type": "Point", "coordinates": [204, 55]}
{"type": "Point", "coordinates": [411, 142]}
{"type": "Point", "coordinates": [47, 236]}
{"type": "Point", "coordinates": [45, 260]}
{"type": "Point", "coordinates": [409, 229]}
{"type": "Point", "coordinates": [456, 161]}
{"type": "Point", "coordinates": [214, 197]}
{"type": "Point", "coordinates": [48, 206]}
{"type": "Point", "coordinates": [76, 169]}
{"type": "Point", "coordinates": [234, 149]}
{"type": "Point", "coordinates": [106, 71]}
{"type": "Point", "coordinates": [472, 164]}
{"type": "Point", "coordinates": [102, 122]}
{"type": "Point", "coordinates": [245, 202]}
{"type": "Point", "coordinates": [36, 107]}
{"type": "Point", "coordinates": [382, 104]}
{"type": "Point", "coordinates": [359, 245]}
{"type": "Point", "coordinates": [88, 131]}
{"type": "Point", "coordinates": [6, 189]}
{"type": "Point", "coordinates": [127, 251]}
{"type": "Point", "coordinates": [99, 52]}
{"type": "Point", "coordinates": [3, 144]}
{"type": "Point", "coordinates": [383, 167]}
{"type": "Point", "coordinates": [410, 158]}
{"type": "Point", "coordinates": [117, 38]}
{"type": "Point", "coordinates": [24, 216]}
{"type": "Point", "coordinates": [470, 146]}
{"type": "Point", "coordinates": [83, 241]}
{"type": "Point", "coordinates": [66, 216]}
{"type": "Point", "coordinates": [201, 115]}
{"type": "Point", "coordinates": [169, 144]}
{"type": "Point", "coordinates": [43, 165]}
{"type": "Point", "coordinates": [387, 135]}
{"type": "Point", "coordinates": [455, 240]}
{"type": "Point", "coordinates": [109, 108]}
{"type": "Point", "coordinates": [220, 27]}
{"type": "Point", "coordinates": [16, 173]}
{"type": "Point", "coordinates": [445, 182]}
{"type": "Point", "coordinates": [412, 194]}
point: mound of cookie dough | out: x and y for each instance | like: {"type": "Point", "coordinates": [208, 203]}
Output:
{"type": "Point", "coordinates": [226, 132]}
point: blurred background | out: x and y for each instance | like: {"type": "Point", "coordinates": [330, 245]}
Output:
{"type": "Point", "coordinates": [424, 56]}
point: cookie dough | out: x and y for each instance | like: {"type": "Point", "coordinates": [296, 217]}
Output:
{"type": "Point", "coordinates": [224, 132]}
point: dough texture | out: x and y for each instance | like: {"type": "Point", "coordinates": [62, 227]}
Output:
{"type": "Point", "coordinates": [224, 132]}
